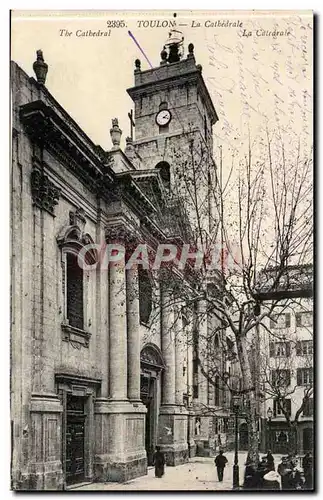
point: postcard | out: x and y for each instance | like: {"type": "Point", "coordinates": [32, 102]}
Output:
{"type": "Point", "coordinates": [161, 209]}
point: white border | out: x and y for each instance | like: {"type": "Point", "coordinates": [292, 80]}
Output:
{"type": "Point", "coordinates": [4, 183]}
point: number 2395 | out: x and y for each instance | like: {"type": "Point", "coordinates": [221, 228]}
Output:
{"type": "Point", "coordinates": [116, 24]}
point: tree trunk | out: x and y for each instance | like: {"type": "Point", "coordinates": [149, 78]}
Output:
{"type": "Point", "coordinates": [293, 445]}
{"type": "Point", "coordinates": [248, 386]}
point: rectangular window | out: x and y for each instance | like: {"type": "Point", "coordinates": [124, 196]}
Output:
{"type": "Point", "coordinates": [280, 405]}
{"type": "Point", "coordinates": [304, 376]}
{"type": "Point", "coordinates": [195, 391]}
{"type": "Point", "coordinates": [217, 391]}
{"type": "Point", "coordinates": [304, 348]}
{"type": "Point", "coordinates": [74, 292]}
{"type": "Point", "coordinates": [279, 349]}
{"type": "Point", "coordinates": [278, 321]}
{"type": "Point", "coordinates": [280, 378]}
{"type": "Point", "coordinates": [304, 319]}
{"type": "Point", "coordinates": [308, 408]}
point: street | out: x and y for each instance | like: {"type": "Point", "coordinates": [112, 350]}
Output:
{"type": "Point", "coordinates": [198, 474]}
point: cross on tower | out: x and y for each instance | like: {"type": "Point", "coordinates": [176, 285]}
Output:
{"type": "Point", "coordinates": [132, 124]}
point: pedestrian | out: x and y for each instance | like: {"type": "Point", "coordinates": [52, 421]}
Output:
{"type": "Point", "coordinates": [271, 481]}
{"type": "Point", "coordinates": [249, 476]}
{"type": "Point", "coordinates": [260, 472]}
{"type": "Point", "coordinates": [295, 481]}
{"type": "Point", "coordinates": [270, 460]}
{"type": "Point", "coordinates": [284, 469]}
{"type": "Point", "coordinates": [159, 462]}
{"type": "Point", "coordinates": [220, 462]}
{"type": "Point", "coordinates": [308, 470]}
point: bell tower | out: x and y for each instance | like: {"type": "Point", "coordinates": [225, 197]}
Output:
{"type": "Point", "coordinates": [172, 105]}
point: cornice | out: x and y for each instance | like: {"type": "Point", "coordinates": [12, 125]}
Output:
{"type": "Point", "coordinates": [89, 163]}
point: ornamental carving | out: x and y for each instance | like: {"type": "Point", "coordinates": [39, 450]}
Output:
{"type": "Point", "coordinates": [121, 233]}
{"type": "Point", "coordinates": [44, 193]}
{"type": "Point", "coordinates": [77, 218]}
{"type": "Point", "coordinates": [72, 236]}
{"type": "Point", "coordinates": [151, 356]}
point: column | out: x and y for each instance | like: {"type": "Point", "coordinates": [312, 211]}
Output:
{"type": "Point", "coordinates": [202, 339]}
{"type": "Point", "coordinates": [168, 346]}
{"type": "Point", "coordinates": [132, 289]}
{"type": "Point", "coordinates": [121, 440]}
{"type": "Point", "coordinates": [118, 332]}
{"type": "Point", "coordinates": [179, 390]}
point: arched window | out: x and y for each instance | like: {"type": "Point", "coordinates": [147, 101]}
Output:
{"type": "Point", "coordinates": [145, 295]}
{"type": "Point", "coordinates": [164, 170]}
{"type": "Point", "coordinates": [72, 241]}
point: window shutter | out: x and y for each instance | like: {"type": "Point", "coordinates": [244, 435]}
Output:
{"type": "Point", "coordinates": [310, 404]}
{"type": "Point", "coordinates": [299, 376]}
{"type": "Point", "coordinates": [275, 407]}
{"type": "Point", "coordinates": [145, 295]}
{"type": "Point", "coordinates": [310, 376]}
{"type": "Point", "coordinates": [288, 406]}
{"type": "Point", "coordinates": [287, 349]}
{"type": "Point", "coordinates": [287, 377]}
{"type": "Point", "coordinates": [287, 320]}
{"type": "Point", "coordinates": [298, 348]}
{"type": "Point", "coordinates": [74, 292]}
{"type": "Point", "coordinates": [298, 319]}
{"type": "Point", "coordinates": [310, 348]}
{"type": "Point", "coordinates": [272, 349]}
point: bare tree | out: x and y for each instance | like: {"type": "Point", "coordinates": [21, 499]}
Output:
{"type": "Point", "coordinates": [258, 223]}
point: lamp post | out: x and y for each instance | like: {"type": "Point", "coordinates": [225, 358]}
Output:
{"type": "Point", "coordinates": [235, 403]}
{"type": "Point", "coordinates": [236, 407]}
{"type": "Point", "coordinates": [269, 417]}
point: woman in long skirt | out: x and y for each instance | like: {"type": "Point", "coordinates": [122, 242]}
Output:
{"type": "Point", "coordinates": [159, 462]}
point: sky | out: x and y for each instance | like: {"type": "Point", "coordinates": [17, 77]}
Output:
{"type": "Point", "coordinates": [257, 81]}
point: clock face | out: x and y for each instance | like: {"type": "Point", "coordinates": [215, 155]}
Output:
{"type": "Point", "coordinates": [163, 117]}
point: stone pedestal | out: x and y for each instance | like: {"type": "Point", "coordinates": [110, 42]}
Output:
{"type": "Point", "coordinates": [120, 446]}
{"type": "Point", "coordinates": [191, 433]}
{"type": "Point", "coordinates": [45, 466]}
{"type": "Point", "coordinates": [172, 437]}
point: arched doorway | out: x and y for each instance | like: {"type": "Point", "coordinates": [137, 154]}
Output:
{"type": "Point", "coordinates": [243, 436]}
{"type": "Point", "coordinates": [152, 364]}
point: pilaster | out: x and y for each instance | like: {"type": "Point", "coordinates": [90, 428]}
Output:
{"type": "Point", "coordinates": [120, 446]}
{"type": "Point", "coordinates": [45, 467]}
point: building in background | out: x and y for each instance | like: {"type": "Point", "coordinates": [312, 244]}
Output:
{"type": "Point", "coordinates": [286, 366]}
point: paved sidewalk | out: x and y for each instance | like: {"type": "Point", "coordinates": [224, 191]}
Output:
{"type": "Point", "coordinates": [198, 474]}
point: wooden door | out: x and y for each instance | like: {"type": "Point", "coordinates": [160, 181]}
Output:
{"type": "Point", "coordinates": [75, 440]}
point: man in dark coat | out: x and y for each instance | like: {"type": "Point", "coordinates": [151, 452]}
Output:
{"type": "Point", "coordinates": [295, 481]}
{"type": "Point", "coordinates": [220, 462]}
{"type": "Point", "coordinates": [249, 476]}
{"type": "Point", "coordinates": [308, 470]}
{"type": "Point", "coordinates": [270, 461]}
{"type": "Point", "coordinates": [159, 462]}
{"type": "Point", "coordinates": [284, 469]}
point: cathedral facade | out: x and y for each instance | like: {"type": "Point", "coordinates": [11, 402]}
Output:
{"type": "Point", "coordinates": [104, 358]}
